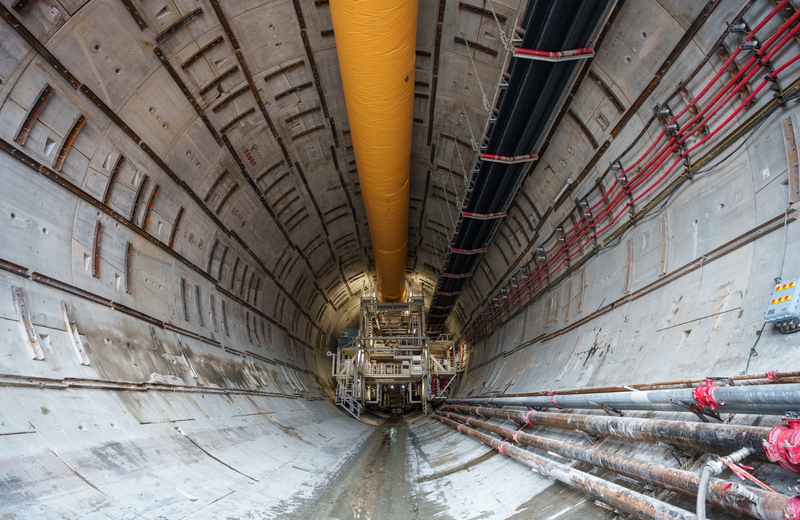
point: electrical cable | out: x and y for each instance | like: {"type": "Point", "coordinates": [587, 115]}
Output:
{"type": "Point", "coordinates": [699, 124]}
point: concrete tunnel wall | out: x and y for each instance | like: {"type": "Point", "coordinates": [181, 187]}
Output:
{"type": "Point", "coordinates": [227, 416]}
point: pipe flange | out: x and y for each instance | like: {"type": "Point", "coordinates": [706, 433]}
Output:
{"type": "Point", "coordinates": [783, 445]}
{"type": "Point", "coordinates": [704, 395]}
{"type": "Point", "coordinates": [792, 509]}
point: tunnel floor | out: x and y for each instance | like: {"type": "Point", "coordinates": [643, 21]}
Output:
{"type": "Point", "coordinates": [374, 484]}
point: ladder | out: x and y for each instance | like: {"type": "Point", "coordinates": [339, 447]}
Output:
{"type": "Point", "coordinates": [345, 391]}
{"type": "Point", "coordinates": [350, 404]}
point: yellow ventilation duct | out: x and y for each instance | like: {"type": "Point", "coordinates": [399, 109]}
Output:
{"type": "Point", "coordinates": [375, 41]}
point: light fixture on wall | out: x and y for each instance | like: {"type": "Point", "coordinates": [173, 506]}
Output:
{"type": "Point", "coordinates": [563, 189]}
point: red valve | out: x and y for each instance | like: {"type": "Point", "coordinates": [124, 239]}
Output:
{"type": "Point", "coordinates": [704, 395]}
{"type": "Point", "coordinates": [783, 446]}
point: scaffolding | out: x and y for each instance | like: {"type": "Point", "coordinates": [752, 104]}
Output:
{"type": "Point", "coordinates": [391, 364]}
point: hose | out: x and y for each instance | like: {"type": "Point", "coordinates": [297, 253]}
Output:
{"type": "Point", "coordinates": [702, 491]}
{"type": "Point", "coordinates": [715, 467]}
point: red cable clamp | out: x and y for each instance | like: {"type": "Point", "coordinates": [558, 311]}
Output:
{"type": "Point", "coordinates": [771, 375]}
{"type": "Point", "coordinates": [552, 398]}
{"type": "Point", "coordinates": [478, 410]}
{"type": "Point", "coordinates": [527, 421]}
{"type": "Point", "coordinates": [515, 436]}
{"type": "Point", "coordinates": [783, 445]}
{"type": "Point", "coordinates": [500, 448]}
{"type": "Point", "coordinates": [704, 395]}
{"type": "Point", "coordinates": [490, 401]}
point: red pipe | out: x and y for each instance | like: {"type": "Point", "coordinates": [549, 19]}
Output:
{"type": "Point", "coordinates": [730, 59]}
{"type": "Point", "coordinates": [525, 290]}
{"type": "Point", "coordinates": [644, 174]}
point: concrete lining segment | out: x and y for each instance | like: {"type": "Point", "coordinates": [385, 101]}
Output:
{"type": "Point", "coordinates": [105, 432]}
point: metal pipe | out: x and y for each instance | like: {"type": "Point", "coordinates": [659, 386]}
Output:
{"type": "Point", "coordinates": [760, 400]}
{"type": "Point", "coordinates": [772, 377]}
{"type": "Point", "coordinates": [715, 467]}
{"type": "Point", "coordinates": [715, 438]}
{"type": "Point", "coordinates": [624, 499]}
{"type": "Point", "coordinates": [479, 330]}
{"type": "Point", "coordinates": [767, 506]}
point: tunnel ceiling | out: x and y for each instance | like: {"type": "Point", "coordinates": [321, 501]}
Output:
{"type": "Point", "coordinates": [224, 127]}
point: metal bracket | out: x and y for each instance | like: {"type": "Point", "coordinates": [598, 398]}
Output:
{"type": "Point", "coordinates": [608, 409]}
{"type": "Point", "coordinates": [675, 452]}
{"type": "Point", "coordinates": [26, 324]}
{"type": "Point", "coordinates": [33, 114]}
{"type": "Point", "coordinates": [72, 333]}
{"type": "Point", "coordinates": [699, 412]}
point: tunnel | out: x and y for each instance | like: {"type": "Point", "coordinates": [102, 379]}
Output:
{"type": "Point", "coordinates": [378, 260]}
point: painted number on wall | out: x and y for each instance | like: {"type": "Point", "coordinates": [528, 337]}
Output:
{"type": "Point", "coordinates": [249, 157]}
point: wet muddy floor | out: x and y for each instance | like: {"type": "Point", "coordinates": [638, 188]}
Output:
{"type": "Point", "coordinates": [373, 485]}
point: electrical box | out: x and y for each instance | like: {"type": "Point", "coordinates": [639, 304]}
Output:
{"type": "Point", "coordinates": [347, 337]}
{"type": "Point", "coordinates": [784, 306]}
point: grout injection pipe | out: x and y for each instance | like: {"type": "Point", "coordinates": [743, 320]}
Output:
{"type": "Point", "coordinates": [781, 444]}
{"type": "Point", "coordinates": [759, 400]}
{"type": "Point", "coordinates": [752, 502]}
{"type": "Point", "coordinates": [710, 437]}
{"type": "Point", "coordinates": [624, 499]}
